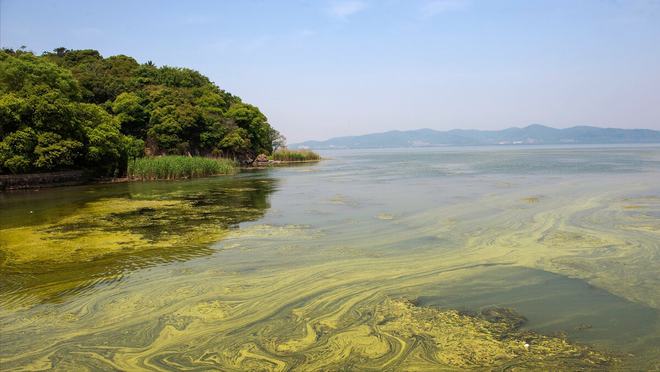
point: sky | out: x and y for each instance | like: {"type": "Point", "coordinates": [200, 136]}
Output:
{"type": "Point", "coordinates": [326, 68]}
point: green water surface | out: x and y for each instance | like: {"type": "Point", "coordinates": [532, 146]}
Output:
{"type": "Point", "coordinates": [289, 268]}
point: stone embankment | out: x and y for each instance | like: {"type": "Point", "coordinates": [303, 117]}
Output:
{"type": "Point", "coordinates": [39, 180]}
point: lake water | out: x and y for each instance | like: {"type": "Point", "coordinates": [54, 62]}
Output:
{"type": "Point", "coordinates": [306, 267]}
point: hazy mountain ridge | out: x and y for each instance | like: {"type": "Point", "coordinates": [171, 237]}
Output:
{"type": "Point", "coordinates": [532, 134]}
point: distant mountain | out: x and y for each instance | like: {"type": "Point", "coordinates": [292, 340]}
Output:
{"type": "Point", "coordinates": [533, 134]}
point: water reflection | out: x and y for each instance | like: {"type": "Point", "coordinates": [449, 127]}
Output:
{"type": "Point", "coordinates": [92, 236]}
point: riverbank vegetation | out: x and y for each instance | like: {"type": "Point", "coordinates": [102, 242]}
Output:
{"type": "Point", "coordinates": [75, 109]}
{"type": "Point", "coordinates": [295, 155]}
{"type": "Point", "coordinates": [178, 167]}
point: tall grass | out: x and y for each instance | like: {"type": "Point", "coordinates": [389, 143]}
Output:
{"type": "Point", "coordinates": [295, 155]}
{"type": "Point", "coordinates": [177, 167]}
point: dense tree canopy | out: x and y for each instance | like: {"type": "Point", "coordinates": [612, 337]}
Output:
{"type": "Point", "coordinates": [74, 109]}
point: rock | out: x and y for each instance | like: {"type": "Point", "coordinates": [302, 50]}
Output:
{"type": "Point", "coordinates": [262, 158]}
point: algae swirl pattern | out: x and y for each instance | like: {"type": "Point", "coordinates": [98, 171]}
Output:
{"type": "Point", "coordinates": [331, 275]}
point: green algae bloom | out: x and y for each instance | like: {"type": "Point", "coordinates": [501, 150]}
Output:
{"type": "Point", "coordinates": [104, 235]}
{"type": "Point", "coordinates": [358, 265]}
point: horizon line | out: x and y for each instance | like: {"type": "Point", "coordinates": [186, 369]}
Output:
{"type": "Point", "coordinates": [470, 129]}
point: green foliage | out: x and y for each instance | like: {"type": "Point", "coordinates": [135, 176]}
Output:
{"type": "Point", "coordinates": [17, 164]}
{"type": "Point", "coordinates": [101, 79]}
{"type": "Point", "coordinates": [132, 114]}
{"type": "Point", "coordinates": [180, 77]}
{"type": "Point", "coordinates": [235, 141]}
{"type": "Point", "coordinates": [53, 112]}
{"type": "Point", "coordinates": [17, 150]}
{"type": "Point", "coordinates": [295, 155]}
{"type": "Point", "coordinates": [53, 152]}
{"type": "Point", "coordinates": [255, 125]}
{"type": "Point", "coordinates": [171, 125]}
{"type": "Point", "coordinates": [134, 147]}
{"type": "Point", "coordinates": [176, 167]}
{"type": "Point", "coordinates": [24, 72]}
{"type": "Point", "coordinates": [13, 111]}
{"type": "Point", "coordinates": [105, 146]}
{"type": "Point", "coordinates": [74, 109]}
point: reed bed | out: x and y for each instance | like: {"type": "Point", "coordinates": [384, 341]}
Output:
{"type": "Point", "coordinates": [178, 167]}
{"type": "Point", "coordinates": [295, 155]}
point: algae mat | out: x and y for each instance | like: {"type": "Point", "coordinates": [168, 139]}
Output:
{"type": "Point", "coordinates": [433, 259]}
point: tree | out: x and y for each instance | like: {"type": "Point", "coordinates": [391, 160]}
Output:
{"type": "Point", "coordinates": [55, 153]}
{"type": "Point", "coordinates": [101, 79]}
{"type": "Point", "coordinates": [134, 147]}
{"type": "Point", "coordinates": [14, 111]}
{"type": "Point", "coordinates": [235, 142]}
{"type": "Point", "coordinates": [25, 74]}
{"type": "Point", "coordinates": [105, 143]}
{"type": "Point", "coordinates": [17, 151]}
{"type": "Point", "coordinates": [277, 139]}
{"type": "Point", "coordinates": [75, 109]}
{"type": "Point", "coordinates": [132, 114]}
{"type": "Point", "coordinates": [255, 125]}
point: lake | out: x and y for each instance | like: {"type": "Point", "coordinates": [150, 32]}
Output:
{"type": "Point", "coordinates": [433, 258]}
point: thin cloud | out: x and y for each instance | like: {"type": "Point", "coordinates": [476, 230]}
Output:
{"type": "Point", "coordinates": [345, 9]}
{"type": "Point", "coordinates": [436, 7]}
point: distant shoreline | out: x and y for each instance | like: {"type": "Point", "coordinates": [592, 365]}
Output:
{"type": "Point", "coordinates": [506, 146]}
{"type": "Point", "coordinates": [534, 134]}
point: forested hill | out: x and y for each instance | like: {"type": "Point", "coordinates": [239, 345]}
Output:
{"type": "Point", "coordinates": [75, 109]}
{"type": "Point", "coordinates": [531, 135]}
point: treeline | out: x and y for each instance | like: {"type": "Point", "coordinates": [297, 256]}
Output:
{"type": "Point", "coordinates": [74, 109]}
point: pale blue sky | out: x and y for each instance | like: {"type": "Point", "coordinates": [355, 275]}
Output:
{"type": "Point", "coordinates": [325, 68]}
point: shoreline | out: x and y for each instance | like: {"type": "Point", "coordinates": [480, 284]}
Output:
{"type": "Point", "coordinates": [36, 181]}
{"type": "Point", "coordinates": [274, 163]}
